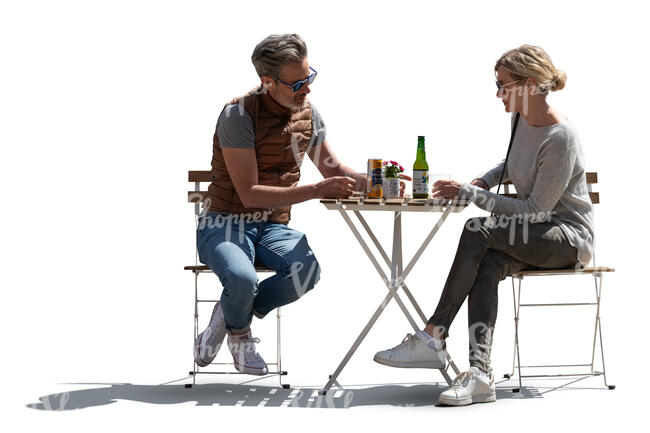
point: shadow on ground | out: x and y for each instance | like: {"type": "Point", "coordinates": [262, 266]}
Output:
{"type": "Point", "coordinates": [219, 394]}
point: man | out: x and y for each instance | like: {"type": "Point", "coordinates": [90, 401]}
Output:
{"type": "Point", "coordinates": [259, 143]}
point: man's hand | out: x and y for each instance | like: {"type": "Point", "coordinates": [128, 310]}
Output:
{"type": "Point", "coordinates": [335, 187]}
{"type": "Point", "coordinates": [445, 189]}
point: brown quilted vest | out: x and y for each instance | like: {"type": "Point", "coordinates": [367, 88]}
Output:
{"type": "Point", "coordinates": [281, 138]}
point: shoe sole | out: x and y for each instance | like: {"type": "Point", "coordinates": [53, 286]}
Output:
{"type": "Point", "coordinates": [405, 364]}
{"type": "Point", "coordinates": [479, 398]}
{"type": "Point", "coordinates": [197, 350]}
{"type": "Point", "coordinates": [199, 343]}
{"type": "Point", "coordinates": [250, 370]}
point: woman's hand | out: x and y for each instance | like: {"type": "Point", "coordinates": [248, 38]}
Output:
{"type": "Point", "coordinates": [402, 185]}
{"type": "Point", "coordinates": [481, 183]}
{"type": "Point", "coordinates": [445, 189]}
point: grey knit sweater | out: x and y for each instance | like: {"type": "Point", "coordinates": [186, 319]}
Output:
{"type": "Point", "coordinates": [546, 166]}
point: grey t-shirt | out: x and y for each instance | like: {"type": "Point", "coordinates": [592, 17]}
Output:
{"type": "Point", "coordinates": [235, 128]}
{"type": "Point", "coordinates": [547, 168]}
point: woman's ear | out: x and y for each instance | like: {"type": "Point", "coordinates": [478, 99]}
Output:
{"type": "Point", "coordinates": [531, 85]}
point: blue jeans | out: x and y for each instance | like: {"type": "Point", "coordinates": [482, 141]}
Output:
{"type": "Point", "coordinates": [231, 246]}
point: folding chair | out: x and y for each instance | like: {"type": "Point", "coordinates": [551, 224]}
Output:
{"type": "Point", "coordinates": [595, 271]}
{"type": "Point", "coordinates": [197, 197]}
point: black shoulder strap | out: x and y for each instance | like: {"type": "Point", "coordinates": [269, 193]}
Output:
{"type": "Point", "coordinates": [512, 138]}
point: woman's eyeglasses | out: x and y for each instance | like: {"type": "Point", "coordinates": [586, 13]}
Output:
{"type": "Point", "coordinates": [298, 84]}
{"type": "Point", "coordinates": [501, 87]}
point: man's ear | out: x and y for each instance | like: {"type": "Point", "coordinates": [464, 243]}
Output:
{"type": "Point", "coordinates": [267, 82]}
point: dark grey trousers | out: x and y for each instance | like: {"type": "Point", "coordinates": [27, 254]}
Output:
{"type": "Point", "coordinates": [487, 253]}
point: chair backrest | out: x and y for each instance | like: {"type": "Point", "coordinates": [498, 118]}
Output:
{"type": "Point", "coordinates": [197, 196]}
{"type": "Point", "coordinates": [592, 179]}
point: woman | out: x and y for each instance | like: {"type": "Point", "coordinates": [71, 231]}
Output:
{"type": "Point", "coordinates": [548, 225]}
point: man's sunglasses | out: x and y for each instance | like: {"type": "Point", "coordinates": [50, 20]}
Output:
{"type": "Point", "coordinates": [298, 84]}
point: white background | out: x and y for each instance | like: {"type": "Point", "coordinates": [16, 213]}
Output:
{"type": "Point", "coordinates": [104, 107]}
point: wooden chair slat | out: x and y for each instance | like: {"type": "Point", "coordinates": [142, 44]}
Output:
{"type": "Point", "coordinates": [199, 176]}
{"type": "Point", "coordinates": [588, 270]}
{"type": "Point", "coordinates": [592, 177]}
{"type": "Point", "coordinates": [594, 196]}
{"type": "Point", "coordinates": [205, 268]}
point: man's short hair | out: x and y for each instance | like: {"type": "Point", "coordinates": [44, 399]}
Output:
{"type": "Point", "coordinates": [277, 50]}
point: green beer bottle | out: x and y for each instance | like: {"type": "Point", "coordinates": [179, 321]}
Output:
{"type": "Point", "coordinates": [421, 172]}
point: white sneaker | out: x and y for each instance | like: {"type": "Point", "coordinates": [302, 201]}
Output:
{"type": "Point", "coordinates": [472, 386]}
{"type": "Point", "coordinates": [245, 356]}
{"type": "Point", "coordinates": [415, 351]}
{"type": "Point", "coordinates": [208, 343]}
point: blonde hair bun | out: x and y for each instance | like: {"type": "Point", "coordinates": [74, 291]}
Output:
{"type": "Point", "coordinates": [559, 80]}
{"type": "Point", "coordinates": [531, 61]}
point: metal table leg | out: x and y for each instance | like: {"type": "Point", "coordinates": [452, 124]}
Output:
{"type": "Point", "coordinates": [396, 281]}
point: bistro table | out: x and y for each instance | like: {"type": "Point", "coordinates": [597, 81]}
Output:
{"type": "Point", "coordinates": [394, 263]}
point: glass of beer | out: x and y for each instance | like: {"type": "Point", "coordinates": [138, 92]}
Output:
{"type": "Point", "coordinates": [360, 186]}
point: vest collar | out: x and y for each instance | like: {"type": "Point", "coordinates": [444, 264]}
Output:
{"type": "Point", "coordinates": [273, 106]}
